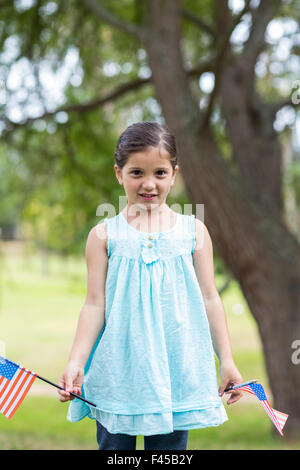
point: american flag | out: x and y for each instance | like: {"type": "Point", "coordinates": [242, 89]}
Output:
{"type": "Point", "coordinates": [15, 382]}
{"type": "Point", "coordinates": [278, 418]}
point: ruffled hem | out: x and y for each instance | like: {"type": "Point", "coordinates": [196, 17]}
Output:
{"type": "Point", "coordinates": [158, 423]}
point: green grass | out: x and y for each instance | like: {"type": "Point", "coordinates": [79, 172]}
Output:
{"type": "Point", "coordinates": [40, 424]}
{"type": "Point", "coordinates": [38, 316]}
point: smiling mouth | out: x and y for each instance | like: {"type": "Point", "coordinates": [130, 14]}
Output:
{"type": "Point", "coordinates": [148, 196]}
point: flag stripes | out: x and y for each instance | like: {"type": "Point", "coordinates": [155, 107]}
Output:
{"type": "Point", "coordinates": [278, 418]}
{"type": "Point", "coordinates": [247, 388]}
{"type": "Point", "coordinates": [13, 388]}
{"type": "Point", "coordinates": [282, 417]}
{"type": "Point", "coordinates": [272, 415]}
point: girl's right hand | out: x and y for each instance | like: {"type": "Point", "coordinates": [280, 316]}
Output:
{"type": "Point", "coordinates": [71, 380]}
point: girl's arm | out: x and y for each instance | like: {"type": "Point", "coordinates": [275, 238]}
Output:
{"type": "Point", "coordinates": [92, 315]}
{"type": "Point", "coordinates": [204, 269]}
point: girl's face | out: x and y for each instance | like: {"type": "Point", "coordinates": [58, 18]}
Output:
{"type": "Point", "coordinates": [147, 172]}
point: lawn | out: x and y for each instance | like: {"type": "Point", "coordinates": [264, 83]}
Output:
{"type": "Point", "coordinates": [40, 424]}
{"type": "Point", "coordinates": [40, 300]}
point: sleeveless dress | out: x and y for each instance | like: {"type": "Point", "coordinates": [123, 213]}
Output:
{"type": "Point", "coordinates": [152, 369]}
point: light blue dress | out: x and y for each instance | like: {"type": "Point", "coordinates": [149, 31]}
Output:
{"type": "Point", "coordinates": [152, 369]}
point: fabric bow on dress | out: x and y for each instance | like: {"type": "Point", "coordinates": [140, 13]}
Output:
{"type": "Point", "coordinates": [150, 251]}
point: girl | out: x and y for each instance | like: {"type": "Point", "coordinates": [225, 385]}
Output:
{"type": "Point", "coordinates": [143, 349]}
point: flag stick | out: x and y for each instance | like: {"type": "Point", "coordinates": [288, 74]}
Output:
{"type": "Point", "coordinates": [61, 388]}
{"type": "Point", "coordinates": [239, 385]}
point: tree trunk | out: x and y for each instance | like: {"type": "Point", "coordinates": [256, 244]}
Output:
{"type": "Point", "coordinates": [247, 230]}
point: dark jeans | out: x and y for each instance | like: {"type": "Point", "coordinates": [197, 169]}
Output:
{"type": "Point", "coordinates": [108, 441]}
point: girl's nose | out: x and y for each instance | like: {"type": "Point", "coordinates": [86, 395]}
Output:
{"type": "Point", "coordinates": [147, 187]}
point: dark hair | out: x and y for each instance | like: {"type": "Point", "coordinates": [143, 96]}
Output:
{"type": "Point", "coordinates": [139, 136]}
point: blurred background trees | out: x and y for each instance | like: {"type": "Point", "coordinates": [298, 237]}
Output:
{"type": "Point", "coordinates": [223, 75]}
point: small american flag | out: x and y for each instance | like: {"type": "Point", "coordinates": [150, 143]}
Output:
{"type": "Point", "coordinates": [15, 382]}
{"type": "Point", "coordinates": [278, 418]}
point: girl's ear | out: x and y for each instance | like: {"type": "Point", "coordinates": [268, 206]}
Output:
{"type": "Point", "coordinates": [118, 174]}
{"type": "Point", "coordinates": [175, 171]}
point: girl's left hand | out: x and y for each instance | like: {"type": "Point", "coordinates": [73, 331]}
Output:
{"type": "Point", "coordinates": [229, 376]}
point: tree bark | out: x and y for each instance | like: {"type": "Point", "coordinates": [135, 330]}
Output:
{"type": "Point", "coordinates": [247, 230]}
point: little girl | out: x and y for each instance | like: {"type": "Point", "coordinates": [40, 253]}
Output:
{"type": "Point", "coordinates": [143, 352]}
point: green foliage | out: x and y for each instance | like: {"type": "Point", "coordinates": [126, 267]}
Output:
{"type": "Point", "coordinates": [293, 179]}
{"type": "Point", "coordinates": [56, 170]}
